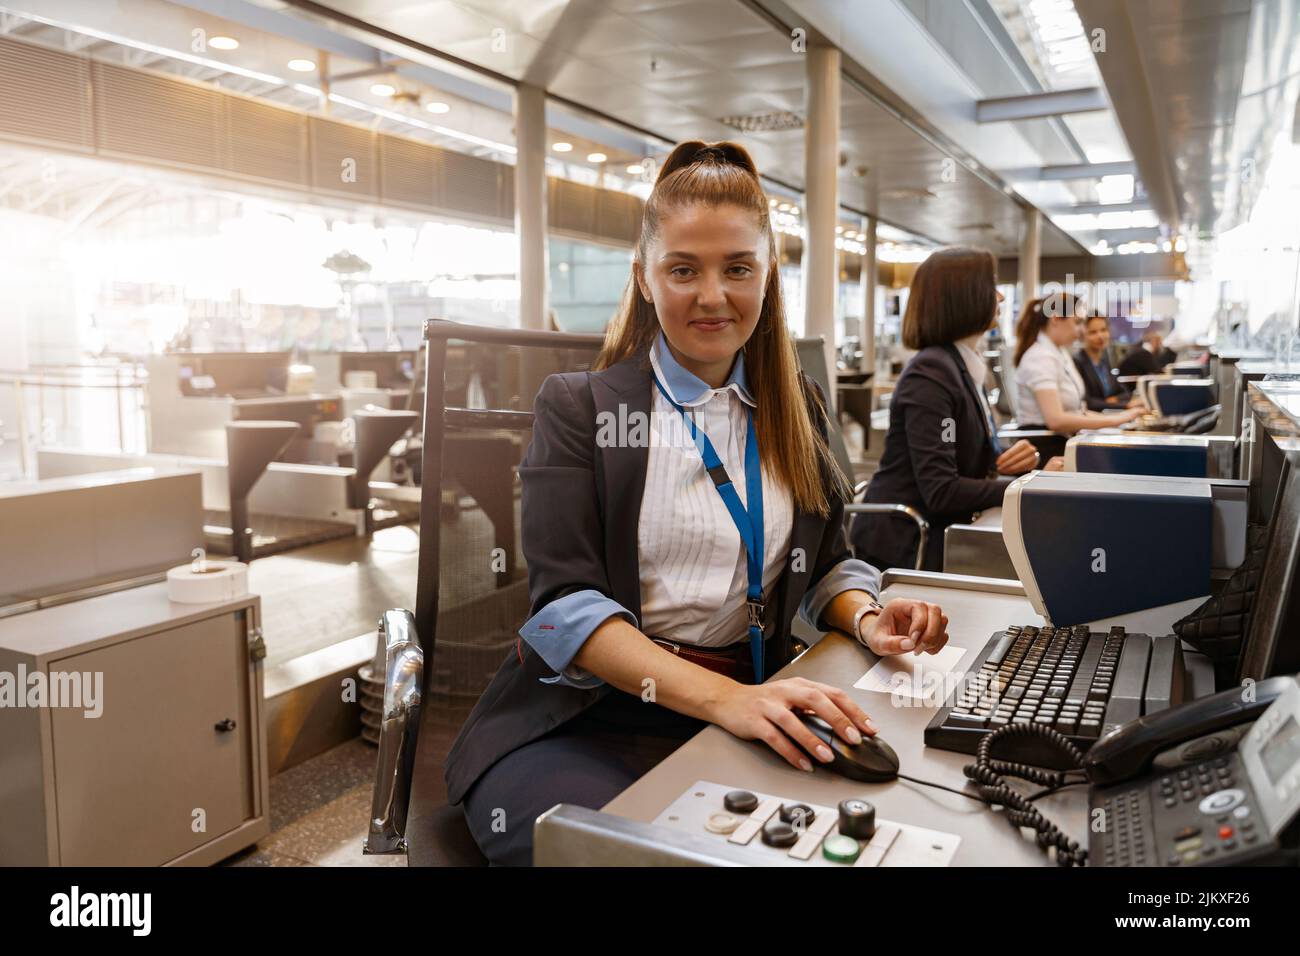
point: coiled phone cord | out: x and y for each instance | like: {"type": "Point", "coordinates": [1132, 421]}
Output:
{"type": "Point", "coordinates": [988, 775]}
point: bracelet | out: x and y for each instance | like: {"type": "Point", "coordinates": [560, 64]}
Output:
{"type": "Point", "coordinates": [871, 607]}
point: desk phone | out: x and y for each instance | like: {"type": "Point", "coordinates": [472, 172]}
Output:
{"type": "Point", "coordinates": [1201, 784]}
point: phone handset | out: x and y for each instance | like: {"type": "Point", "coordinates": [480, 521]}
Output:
{"type": "Point", "coordinates": [1206, 724]}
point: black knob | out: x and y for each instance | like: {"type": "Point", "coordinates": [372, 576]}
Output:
{"type": "Point", "coordinates": [857, 819]}
{"type": "Point", "coordinates": [225, 726]}
{"type": "Point", "coordinates": [797, 814]}
{"type": "Point", "coordinates": [779, 834]}
{"type": "Point", "coordinates": [740, 801]}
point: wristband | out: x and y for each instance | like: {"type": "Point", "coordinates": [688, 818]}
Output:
{"type": "Point", "coordinates": [871, 607]}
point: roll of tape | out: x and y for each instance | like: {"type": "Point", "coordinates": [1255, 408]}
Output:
{"type": "Point", "coordinates": [207, 582]}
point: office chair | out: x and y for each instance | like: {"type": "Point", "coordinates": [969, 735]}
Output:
{"type": "Point", "coordinates": [472, 584]}
{"type": "Point", "coordinates": [811, 353]}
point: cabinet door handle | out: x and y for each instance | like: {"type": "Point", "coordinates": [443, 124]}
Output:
{"type": "Point", "coordinates": [225, 726]}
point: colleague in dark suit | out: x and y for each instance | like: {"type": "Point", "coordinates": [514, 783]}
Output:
{"type": "Point", "coordinates": [1102, 389]}
{"type": "Point", "coordinates": [662, 598]}
{"type": "Point", "coordinates": [942, 454]}
{"type": "Point", "coordinates": [1149, 358]}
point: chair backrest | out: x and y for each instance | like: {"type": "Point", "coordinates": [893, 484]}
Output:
{"type": "Point", "coordinates": [812, 359]}
{"type": "Point", "coordinates": [472, 584]}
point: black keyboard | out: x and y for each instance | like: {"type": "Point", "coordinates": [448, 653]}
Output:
{"type": "Point", "coordinates": [1078, 682]}
{"type": "Point", "coordinates": [1192, 423]}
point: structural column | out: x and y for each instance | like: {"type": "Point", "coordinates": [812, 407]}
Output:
{"type": "Point", "coordinates": [530, 204]}
{"type": "Point", "coordinates": [1029, 253]}
{"type": "Point", "coordinates": [821, 177]}
{"type": "Point", "coordinates": [867, 335]}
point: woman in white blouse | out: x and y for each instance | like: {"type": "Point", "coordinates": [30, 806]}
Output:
{"type": "Point", "coordinates": [679, 506]}
{"type": "Point", "coordinates": [1049, 390]}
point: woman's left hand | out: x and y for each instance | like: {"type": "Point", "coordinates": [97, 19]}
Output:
{"type": "Point", "coordinates": [907, 625]}
{"type": "Point", "coordinates": [1018, 459]}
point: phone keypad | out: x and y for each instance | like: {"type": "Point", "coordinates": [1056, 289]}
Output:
{"type": "Point", "coordinates": [1123, 815]}
{"type": "Point", "coordinates": [1193, 784]}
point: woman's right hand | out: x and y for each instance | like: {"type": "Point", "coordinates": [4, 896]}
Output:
{"type": "Point", "coordinates": [767, 712]}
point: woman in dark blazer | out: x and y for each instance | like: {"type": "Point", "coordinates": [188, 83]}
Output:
{"type": "Point", "coordinates": [660, 601]}
{"type": "Point", "coordinates": [942, 455]}
{"type": "Point", "coordinates": [1102, 388]}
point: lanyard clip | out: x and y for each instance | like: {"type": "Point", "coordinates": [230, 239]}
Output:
{"type": "Point", "coordinates": [755, 609]}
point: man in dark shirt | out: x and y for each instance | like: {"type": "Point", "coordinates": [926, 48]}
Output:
{"type": "Point", "coordinates": [1149, 358]}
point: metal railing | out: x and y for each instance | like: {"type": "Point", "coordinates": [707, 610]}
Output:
{"type": "Point", "coordinates": [31, 388]}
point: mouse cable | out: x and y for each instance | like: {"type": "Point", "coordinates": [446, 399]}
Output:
{"type": "Point", "coordinates": [1046, 791]}
{"type": "Point", "coordinates": [939, 786]}
{"type": "Point", "coordinates": [989, 776]}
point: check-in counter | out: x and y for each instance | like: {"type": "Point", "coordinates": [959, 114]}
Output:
{"type": "Point", "coordinates": [381, 379]}
{"type": "Point", "coordinates": [1142, 453]}
{"type": "Point", "coordinates": [1272, 434]}
{"type": "Point", "coordinates": [1174, 395]}
{"type": "Point", "coordinates": [624, 832]}
{"type": "Point", "coordinates": [74, 535]}
{"type": "Point", "coordinates": [1089, 545]}
{"type": "Point", "coordinates": [1223, 369]}
{"type": "Point", "coordinates": [194, 396]}
{"type": "Point", "coordinates": [977, 548]}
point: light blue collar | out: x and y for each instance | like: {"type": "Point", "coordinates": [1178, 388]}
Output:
{"type": "Point", "coordinates": [686, 387]}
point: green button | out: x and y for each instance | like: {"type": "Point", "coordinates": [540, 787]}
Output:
{"type": "Point", "coordinates": [840, 849]}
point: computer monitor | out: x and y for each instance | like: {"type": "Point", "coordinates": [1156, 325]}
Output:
{"type": "Point", "coordinates": [1272, 644]}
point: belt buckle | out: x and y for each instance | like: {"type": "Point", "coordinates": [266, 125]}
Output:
{"type": "Point", "coordinates": [755, 609]}
{"type": "Point", "coordinates": [668, 645]}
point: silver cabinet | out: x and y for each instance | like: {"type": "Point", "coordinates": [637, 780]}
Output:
{"type": "Point", "coordinates": [172, 769]}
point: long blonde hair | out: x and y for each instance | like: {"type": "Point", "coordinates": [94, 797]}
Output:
{"type": "Point", "coordinates": [790, 448]}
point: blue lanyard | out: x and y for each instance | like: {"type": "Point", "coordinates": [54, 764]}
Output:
{"type": "Point", "coordinates": [748, 523]}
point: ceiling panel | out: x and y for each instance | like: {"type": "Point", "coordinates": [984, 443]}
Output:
{"type": "Point", "coordinates": [677, 68]}
{"type": "Point", "coordinates": [1203, 91]}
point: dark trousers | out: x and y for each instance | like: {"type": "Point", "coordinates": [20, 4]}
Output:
{"type": "Point", "coordinates": [587, 761]}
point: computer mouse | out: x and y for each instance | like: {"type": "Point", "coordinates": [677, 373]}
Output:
{"type": "Point", "coordinates": [872, 761]}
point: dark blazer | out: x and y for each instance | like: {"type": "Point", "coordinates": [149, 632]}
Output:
{"type": "Point", "coordinates": [1095, 388]}
{"type": "Point", "coordinates": [580, 508]}
{"type": "Point", "coordinates": [937, 459]}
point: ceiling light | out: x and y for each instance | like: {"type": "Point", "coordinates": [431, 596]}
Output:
{"type": "Point", "coordinates": [383, 89]}
{"type": "Point", "coordinates": [224, 43]}
{"type": "Point", "coordinates": [438, 108]}
{"type": "Point", "coordinates": [562, 147]}
{"type": "Point", "coordinates": [302, 66]}
{"type": "Point", "coordinates": [596, 157]}
{"type": "Point", "coordinates": [636, 169]}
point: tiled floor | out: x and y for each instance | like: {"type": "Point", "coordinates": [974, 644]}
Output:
{"type": "Point", "coordinates": [320, 811]}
